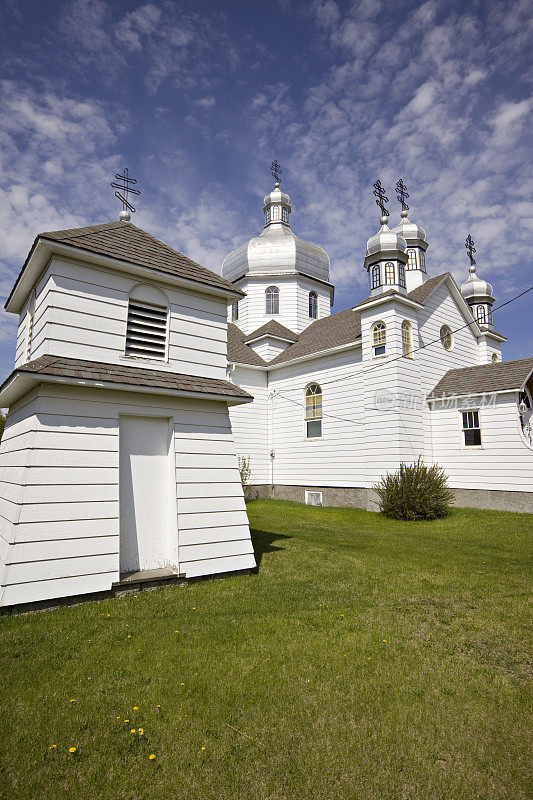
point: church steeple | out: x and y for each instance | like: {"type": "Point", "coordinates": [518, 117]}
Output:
{"type": "Point", "coordinates": [416, 241]}
{"type": "Point", "coordinates": [477, 292]}
{"type": "Point", "coordinates": [385, 257]}
{"type": "Point", "coordinates": [277, 204]}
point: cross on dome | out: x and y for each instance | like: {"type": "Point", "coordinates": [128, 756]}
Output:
{"type": "Point", "coordinates": [402, 194]}
{"type": "Point", "coordinates": [126, 187]}
{"type": "Point", "coordinates": [276, 172]}
{"type": "Point", "coordinates": [469, 244]}
{"type": "Point", "coordinates": [381, 199]}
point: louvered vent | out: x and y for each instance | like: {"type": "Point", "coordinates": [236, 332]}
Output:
{"type": "Point", "coordinates": [146, 334]}
{"type": "Point", "coordinates": [313, 498]}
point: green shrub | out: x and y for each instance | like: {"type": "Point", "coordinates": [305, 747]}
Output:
{"type": "Point", "coordinates": [414, 492]}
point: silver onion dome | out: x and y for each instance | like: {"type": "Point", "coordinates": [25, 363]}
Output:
{"type": "Point", "coordinates": [386, 243]}
{"type": "Point", "coordinates": [277, 249]}
{"type": "Point", "coordinates": [476, 290]}
{"type": "Point", "coordinates": [414, 235]}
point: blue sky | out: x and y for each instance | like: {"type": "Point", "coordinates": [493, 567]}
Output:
{"type": "Point", "coordinates": [197, 98]}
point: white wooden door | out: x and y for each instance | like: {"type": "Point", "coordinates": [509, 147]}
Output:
{"type": "Point", "coordinates": [144, 493]}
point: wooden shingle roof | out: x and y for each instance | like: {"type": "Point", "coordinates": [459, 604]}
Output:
{"type": "Point", "coordinates": [238, 351]}
{"type": "Point", "coordinates": [484, 378]}
{"type": "Point", "coordinates": [323, 334]}
{"type": "Point", "coordinates": [125, 242]}
{"type": "Point", "coordinates": [272, 328]}
{"type": "Point", "coordinates": [127, 375]}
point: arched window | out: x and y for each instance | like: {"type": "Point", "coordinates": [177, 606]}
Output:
{"type": "Point", "coordinates": [407, 339]}
{"type": "Point", "coordinates": [389, 273]}
{"type": "Point", "coordinates": [276, 213]}
{"type": "Point", "coordinates": [446, 337]}
{"type": "Point", "coordinates": [235, 311]}
{"type": "Point", "coordinates": [401, 275]}
{"type": "Point", "coordinates": [494, 358]}
{"type": "Point", "coordinates": [268, 216]}
{"type": "Point", "coordinates": [379, 338]}
{"type": "Point", "coordinates": [313, 411]}
{"type": "Point", "coordinates": [481, 315]}
{"type": "Point", "coordinates": [376, 279]}
{"type": "Point", "coordinates": [285, 214]}
{"type": "Point", "coordinates": [422, 261]}
{"type": "Point", "coordinates": [313, 305]}
{"type": "Point", "coordinates": [147, 326]}
{"type": "Point", "coordinates": [411, 259]}
{"type": "Point", "coordinates": [272, 300]}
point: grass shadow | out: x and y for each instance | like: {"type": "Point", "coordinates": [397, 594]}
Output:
{"type": "Point", "coordinates": [262, 543]}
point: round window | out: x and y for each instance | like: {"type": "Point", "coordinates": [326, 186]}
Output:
{"type": "Point", "coordinates": [446, 337]}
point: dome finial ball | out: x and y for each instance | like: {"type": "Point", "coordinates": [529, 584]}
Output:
{"type": "Point", "coordinates": [384, 219]}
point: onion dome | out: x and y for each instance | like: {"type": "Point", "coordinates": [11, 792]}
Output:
{"type": "Point", "coordinates": [277, 249]}
{"type": "Point", "coordinates": [476, 290]}
{"type": "Point", "coordinates": [414, 235]}
{"type": "Point", "coordinates": [386, 243]}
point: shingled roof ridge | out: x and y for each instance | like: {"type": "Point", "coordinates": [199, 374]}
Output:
{"type": "Point", "coordinates": [484, 378]}
{"type": "Point", "coordinates": [273, 327]}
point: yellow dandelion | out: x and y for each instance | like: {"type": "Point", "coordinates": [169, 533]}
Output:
{"type": "Point", "coordinates": [129, 635]}
{"type": "Point", "coordinates": [72, 749]}
{"type": "Point", "coordinates": [135, 708]}
{"type": "Point", "coordinates": [203, 748]}
{"type": "Point", "coordinates": [369, 657]}
{"type": "Point", "coordinates": [141, 731]}
{"type": "Point", "coordinates": [108, 615]}
{"type": "Point", "coordinates": [53, 746]}
{"type": "Point", "coordinates": [342, 615]}
{"type": "Point", "coordinates": [176, 631]}
{"type": "Point", "coordinates": [151, 756]}
{"type": "Point", "coordinates": [132, 730]}
{"type": "Point", "coordinates": [194, 608]}
{"type": "Point", "coordinates": [385, 641]}
{"type": "Point", "coordinates": [158, 706]}
{"type": "Point", "coordinates": [182, 684]}
{"type": "Point", "coordinates": [126, 720]}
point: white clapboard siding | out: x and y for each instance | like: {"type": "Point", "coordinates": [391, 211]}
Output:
{"type": "Point", "coordinates": [24, 552]}
{"type": "Point", "coordinates": [39, 590]}
{"type": "Point", "coordinates": [200, 552]}
{"type": "Point", "coordinates": [212, 566]}
{"type": "Point", "coordinates": [64, 496]}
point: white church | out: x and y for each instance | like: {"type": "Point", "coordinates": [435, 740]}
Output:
{"type": "Point", "coordinates": [132, 396]}
{"type": "Point", "coordinates": [414, 369]}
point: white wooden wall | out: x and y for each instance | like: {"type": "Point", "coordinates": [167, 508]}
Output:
{"type": "Point", "coordinates": [82, 313]}
{"type": "Point", "coordinates": [269, 348]}
{"type": "Point", "coordinates": [336, 459]}
{"type": "Point", "coordinates": [250, 422]}
{"type": "Point", "coordinates": [293, 302]}
{"type": "Point", "coordinates": [59, 490]}
{"type": "Point", "coordinates": [503, 462]}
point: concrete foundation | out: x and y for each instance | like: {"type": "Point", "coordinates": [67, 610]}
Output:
{"type": "Point", "coordinates": [356, 497]}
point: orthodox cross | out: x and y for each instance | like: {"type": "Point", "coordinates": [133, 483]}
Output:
{"type": "Point", "coordinates": [276, 171]}
{"type": "Point", "coordinates": [381, 198]}
{"type": "Point", "coordinates": [125, 188]}
{"type": "Point", "coordinates": [470, 249]}
{"type": "Point", "coordinates": [402, 194]}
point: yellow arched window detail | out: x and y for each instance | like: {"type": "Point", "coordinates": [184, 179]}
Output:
{"type": "Point", "coordinates": [379, 338]}
{"type": "Point", "coordinates": [313, 411]}
{"type": "Point", "coordinates": [407, 339]}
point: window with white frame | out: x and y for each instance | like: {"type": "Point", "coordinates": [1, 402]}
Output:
{"type": "Point", "coordinates": [313, 411]}
{"type": "Point", "coordinates": [272, 300]}
{"type": "Point", "coordinates": [422, 261]}
{"type": "Point", "coordinates": [401, 275]}
{"type": "Point", "coordinates": [313, 305]}
{"type": "Point", "coordinates": [284, 214]}
{"type": "Point", "coordinates": [146, 330]}
{"type": "Point", "coordinates": [376, 277]}
{"type": "Point", "coordinates": [471, 428]}
{"type": "Point", "coordinates": [268, 216]}
{"type": "Point", "coordinates": [481, 315]}
{"type": "Point", "coordinates": [411, 258]}
{"type": "Point", "coordinates": [389, 273]}
{"type": "Point", "coordinates": [446, 337]}
{"type": "Point", "coordinates": [379, 338]}
{"type": "Point", "coordinates": [407, 339]}
{"type": "Point", "coordinates": [235, 311]}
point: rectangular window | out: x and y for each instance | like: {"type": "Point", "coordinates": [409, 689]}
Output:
{"type": "Point", "coordinates": [235, 312]}
{"type": "Point", "coordinates": [376, 281]}
{"type": "Point", "coordinates": [314, 428]}
{"type": "Point", "coordinates": [422, 261]}
{"type": "Point", "coordinates": [471, 429]}
{"type": "Point", "coordinates": [146, 332]}
{"type": "Point", "coordinates": [313, 498]}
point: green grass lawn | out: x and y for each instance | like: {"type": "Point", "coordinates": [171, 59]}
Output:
{"type": "Point", "coordinates": [367, 659]}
